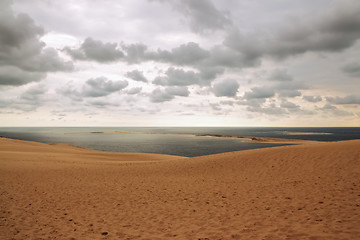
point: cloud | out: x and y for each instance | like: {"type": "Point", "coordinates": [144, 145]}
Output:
{"type": "Point", "coordinates": [14, 76]}
{"type": "Point", "coordinates": [22, 51]}
{"type": "Point", "coordinates": [280, 75]}
{"type": "Point", "coordinates": [96, 50]}
{"type": "Point", "coordinates": [313, 99]}
{"type": "Point", "coordinates": [272, 109]}
{"type": "Point", "coordinates": [333, 31]}
{"type": "Point", "coordinates": [158, 95]}
{"type": "Point", "coordinates": [290, 88]}
{"type": "Point", "coordinates": [249, 47]}
{"type": "Point", "coordinates": [133, 91]}
{"type": "Point", "coordinates": [186, 54]}
{"type": "Point", "coordinates": [202, 15]}
{"type": "Point", "coordinates": [178, 91]}
{"type": "Point", "coordinates": [226, 88]}
{"type": "Point", "coordinates": [136, 75]}
{"type": "Point", "coordinates": [286, 89]}
{"type": "Point", "coordinates": [260, 92]}
{"type": "Point", "coordinates": [168, 94]}
{"type": "Point", "coordinates": [29, 100]}
{"type": "Point", "coordinates": [101, 86]}
{"type": "Point", "coordinates": [331, 109]}
{"type": "Point", "coordinates": [100, 103]}
{"type": "Point", "coordinates": [70, 92]}
{"type": "Point", "coordinates": [209, 73]}
{"type": "Point", "coordinates": [352, 69]}
{"type": "Point", "coordinates": [47, 61]}
{"type": "Point", "coordinates": [350, 99]}
{"type": "Point", "coordinates": [135, 53]}
{"type": "Point", "coordinates": [289, 93]}
{"type": "Point", "coordinates": [215, 106]}
{"type": "Point", "coordinates": [34, 94]}
{"type": "Point", "coordinates": [226, 57]}
{"type": "Point", "coordinates": [177, 77]}
{"type": "Point", "coordinates": [289, 105]}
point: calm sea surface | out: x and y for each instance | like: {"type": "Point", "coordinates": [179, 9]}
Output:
{"type": "Point", "coordinates": [180, 141]}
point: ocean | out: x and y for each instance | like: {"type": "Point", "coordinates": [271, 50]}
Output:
{"type": "Point", "coordinates": [181, 141]}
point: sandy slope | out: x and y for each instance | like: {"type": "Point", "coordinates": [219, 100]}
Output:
{"type": "Point", "coordinates": [295, 192]}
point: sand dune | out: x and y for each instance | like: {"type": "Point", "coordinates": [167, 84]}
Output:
{"type": "Point", "coordinates": [307, 191]}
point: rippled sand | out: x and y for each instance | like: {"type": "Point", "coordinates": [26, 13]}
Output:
{"type": "Point", "coordinates": [307, 191]}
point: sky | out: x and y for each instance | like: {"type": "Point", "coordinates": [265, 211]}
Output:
{"type": "Point", "coordinates": [180, 63]}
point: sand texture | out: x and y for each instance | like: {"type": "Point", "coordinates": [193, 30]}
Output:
{"type": "Point", "coordinates": [309, 191]}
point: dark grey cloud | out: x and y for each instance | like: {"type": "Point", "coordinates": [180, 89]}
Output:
{"type": "Point", "coordinates": [202, 15]}
{"type": "Point", "coordinates": [289, 89]}
{"type": "Point", "coordinates": [16, 29]}
{"type": "Point", "coordinates": [209, 73]}
{"type": "Point", "coordinates": [178, 91]}
{"type": "Point", "coordinates": [284, 87]}
{"type": "Point", "coordinates": [249, 47]}
{"type": "Point", "coordinates": [136, 75]}
{"type": "Point", "coordinates": [280, 75]}
{"type": "Point", "coordinates": [352, 69]}
{"type": "Point", "coordinates": [226, 57]}
{"type": "Point", "coordinates": [48, 61]}
{"type": "Point", "coordinates": [134, 90]}
{"type": "Point", "coordinates": [226, 88]}
{"type": "Point", "coordinates": [350, 99]}
{"type": "Point", "coordinates": [135, 53]}
{"type": "Point", "coordinates": [100, 103]}
{"type": "Point", "coordinates": [289, 93]}
{"type": "Point", "coordinates": [96, 50]}
{"type": "Point", "coordinates": [29, 100]}
{"type": "Point", "coordinates": [329, 109]}
{"type": "Point", "coordinates": [313, 99]}
{"type": "Point", "coordinates": [14, 76]}
{"type": "Point", "coordinates": [189, 54]}
{"type": "Point", "coordinates": [22, 51]}
{"type": "Point", "coordinates": [158, 95]}
{"type": "Point", "coordinates": [335, 30]}
{"type": "Point", "coordinates": [101, 86]}
{"type": "Point", "coordinates": [294, 85]}
{"type": "Point", "coordinates": [186, 54]}
{"type": "Point", "coordinates": [34, 94]}
{"type": "Point", "coordinates": [253, 102]}
{"type": "Point", "coordinates": [289, 105]}
{"type": "Point", "coordinates": [168, 94]}
{"type": "Point", "coordinates": [177, 77]}
{"type": "Point", "coordinates": [260, 92]}
{"type": "Point", "coordinates": [209, 63]}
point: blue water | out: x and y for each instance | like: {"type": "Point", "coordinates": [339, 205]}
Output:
{"type": "Point", "coordinates": [180, 141]}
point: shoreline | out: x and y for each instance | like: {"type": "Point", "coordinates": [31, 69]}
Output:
{"type": "Point", "coordinates": [247, 139]}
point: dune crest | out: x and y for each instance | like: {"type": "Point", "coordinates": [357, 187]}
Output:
{"type": "Point", "coordinates": [309, 191]}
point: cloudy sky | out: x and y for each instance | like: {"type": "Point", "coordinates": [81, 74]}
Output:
{"type": "Point", "coordinates": [180, 63]}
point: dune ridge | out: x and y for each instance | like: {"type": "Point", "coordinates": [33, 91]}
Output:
{"type": "Point", "coordinates": [59, 191]}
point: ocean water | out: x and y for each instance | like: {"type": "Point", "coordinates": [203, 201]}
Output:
{"type": "Point", "coordinates": [182, 141]}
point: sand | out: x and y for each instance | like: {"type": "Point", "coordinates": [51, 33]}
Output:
{"type": "Point", "coordinates": [309, 191]}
